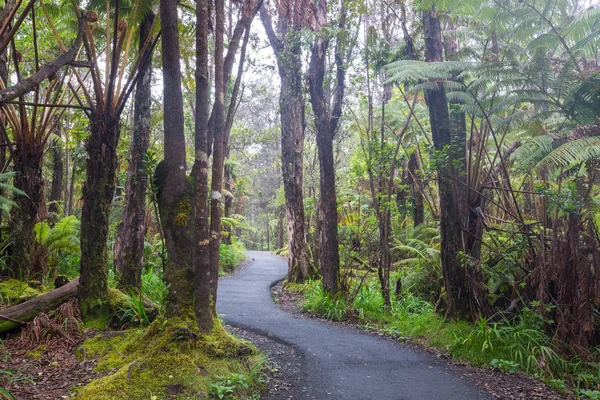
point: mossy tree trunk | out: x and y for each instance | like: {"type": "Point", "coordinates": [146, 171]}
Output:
{"type": "Point", "coordinates": [218, 153]}
{"type": "Point", "coordinates": [286, 45]}
{"type": "Point", "coordinates": [175, 191]}
{"type": "Point", "coordinates": [130, 238]}
{"type": "Point", "coordinates": [98, 192]}
{"type": "Point", "coordinates": [200, 173]}
{"type": "Point", "coordinates": [25, 262]}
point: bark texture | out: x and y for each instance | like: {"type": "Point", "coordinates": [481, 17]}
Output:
{"type": "Point", "coordinates": [287, 48]}
{"type": "Point", "coordinates": [130, 238]}
{"type": "Point", "coordinates": [24, 262]}
{"type": "Point", "coordinates": [58, 172]}
{"type": "Point", "coordinates": [174, 196]}
{"type": "Point", "coordinates": [200, 173]}
{"type": "Point", "coordinates": [98, 192]}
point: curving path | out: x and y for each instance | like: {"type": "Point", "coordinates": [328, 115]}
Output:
{"type": "Point", "coordinates": [338, 362]}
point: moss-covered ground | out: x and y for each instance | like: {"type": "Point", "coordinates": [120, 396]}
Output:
{"type": "Point", "coordinates": [171, 360]}
{"type": "Point", "coordinates": [14, 291]}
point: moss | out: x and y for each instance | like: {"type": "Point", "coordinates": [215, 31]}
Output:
{"type": "Point", "coordinates": [184, 210]}
{"type": "Point", "coordinates": [169, 359]}
{"type": "Point", "coordinates": [13, 291]}
{"type": "Point", "coordinates": [105, 311]}
{"type": "Point", "coordinates": [35, 353]}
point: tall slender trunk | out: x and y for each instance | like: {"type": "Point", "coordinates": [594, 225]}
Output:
{"type": "Point", "coordinates": [58, 168]}
{"type": "Point", "coordinates": [280, 228]}
{"type": "Point", "coordinates": [288, 51]}
{"type": "Point", "coordinates": [449, 176]}
{"type": "Point", "coordinates": [130, 237]}
{"type": "Point", "coordinates": [418, 208]}
{"type": "Point", "coordinates": [228, 203]}
{"type": "Point", "coordinates": [218, 153]}
{"type": "Point", "coordinates": [71, 191]}
{"type": "Point", "coordinates": [202, 268]}
{"type": "Point", "coordinates": [326, 120]}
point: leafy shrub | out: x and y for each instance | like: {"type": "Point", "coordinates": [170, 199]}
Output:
{"type": "Point", "coordinates": [61, 243]}
{"type": "Point", "coordinates": [225, 387]}
{"type": "Point", "coordinates": [231, 255]}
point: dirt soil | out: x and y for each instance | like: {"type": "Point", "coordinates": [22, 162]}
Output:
{"type": "Point", "coordinates": [500, 385]}
{"type": "Point", "coordinates": [47, 374]}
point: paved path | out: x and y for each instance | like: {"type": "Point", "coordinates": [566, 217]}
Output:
{"type": "Point", "coordinates": [339, 362]}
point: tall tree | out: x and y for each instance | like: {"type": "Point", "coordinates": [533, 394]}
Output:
{"type": "Point", "coordinates": [286, 45]}
{"type": "Point", "coordinates": [130, 237]}
{"type": "Point", "coordinates": [202, 265]}
{"type": "Point", "coordinates": [106, 101]}
{"type": "Point", "coordinates": [327, 116]}
{"type": "Point", "coordinates": [451, 191]}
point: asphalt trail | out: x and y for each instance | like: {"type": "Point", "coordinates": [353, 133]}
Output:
{"type": "Point", "coordinates": [338, 362]}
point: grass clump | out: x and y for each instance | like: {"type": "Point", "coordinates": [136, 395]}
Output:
{"type": "Point", "coordinates": [170, 359]}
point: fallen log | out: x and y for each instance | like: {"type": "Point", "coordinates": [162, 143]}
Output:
{"type": "Point", "coordinates": [15, 316]}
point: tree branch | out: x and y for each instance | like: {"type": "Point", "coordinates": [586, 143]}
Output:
{"type": "Point", "coordinates": [29, 84]}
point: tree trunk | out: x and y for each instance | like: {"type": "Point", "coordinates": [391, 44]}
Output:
{"type": "Point", "coordinates": [449, 176]}
{"type": "Point", "coordinates": [97, 196]}
{"type": "Point", "coordinates": [326, 119]}
{"type": "Point", "coordinates": [280, 228]}
{"type": "Point", "coordinates": [218, 153]}
{"type": "Point", "coordinates": [202, 269]}
{"type": "Point", "coordinates": [71, 192]}
{"type": "Point", "coordinates": [25, 262]}
{"type": "Point", "coordinates": [174, 191]}
{"type": "Point", "coordinates": [228, 203]}
{"type": "Point", "coordinates": [58, 168]}
{"type": "Point", "coordinates": [130, 237]}
{"type": "Point", "coordinates": [418, 208]}
{"type": "Point", "coordinates": [288, 52]}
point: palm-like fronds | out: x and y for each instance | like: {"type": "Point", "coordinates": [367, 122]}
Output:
{"type": "Point", "coordinates": [7, 203]}
{"type": "Point", "coordinates": [572, 153]}
{"type": "Point", "coordinates": [63, 236]}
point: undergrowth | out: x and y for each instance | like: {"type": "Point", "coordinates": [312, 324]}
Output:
{"type": "Point", "coordinates": [231, 255]}
{"type": "Point", "coordinates": [513, 344]}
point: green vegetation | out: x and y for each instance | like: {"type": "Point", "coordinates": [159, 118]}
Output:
{"type": "Point", "coordinates": [231, 255]}
{"type": "Point", "coordinates": [14, 291]}
{"type": "Point", "coordinates": [171, 358]}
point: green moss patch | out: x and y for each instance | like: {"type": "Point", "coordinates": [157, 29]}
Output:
{"type": "Point", "coordinates": [14, 291]}
{"type": "Point", "coordinates": [169, 360]}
